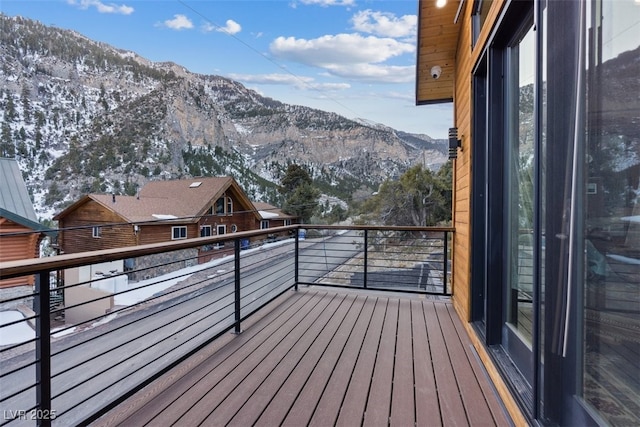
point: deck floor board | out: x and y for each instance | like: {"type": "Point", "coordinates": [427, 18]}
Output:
{"type": "Point", "coordinates": [328, 357]}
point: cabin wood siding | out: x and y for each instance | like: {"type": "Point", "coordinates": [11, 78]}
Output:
{"type": "Point", "coordinates": [77, 229]}
{"type": "Point", "coordinates": [466, 60]}
{"type": "Point", "coordinates": [23, 243]}
{"type": "Point", "coordinates": [461, 171]}
{"type": "Point", "coordinates": [157, 233]}
{"type": "Point", "coordinates": [244, 221]}
{"type": "Point", "coordinates": [116, 231]}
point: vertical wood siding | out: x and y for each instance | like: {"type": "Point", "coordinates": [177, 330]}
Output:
{"type": "Point", "coordinates": [465, 62]}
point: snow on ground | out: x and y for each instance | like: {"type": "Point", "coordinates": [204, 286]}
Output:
{"type": "Point", "coordinates": [22, 332]}
{"type": "Point", "coordinates": [16, 333]}
{"type": "Point", "coordinates": [138, 291]}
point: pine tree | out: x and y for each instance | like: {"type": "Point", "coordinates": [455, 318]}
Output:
{"type": "Point", "coordinates": [301, 197]}
{"type": "Point", "coordinates": [7, 148]}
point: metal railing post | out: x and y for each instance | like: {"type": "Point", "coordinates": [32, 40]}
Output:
{"type": "Point", "coordinates": [366, 256]}
{"type": "Point", "coordinates": [237, 285]}
{"type": "Point", "coordinates": [42, 308]}
{"type": "Point", "coordinates": [445, 263]}
{"type": "Point", "coordinates": [297, 259]}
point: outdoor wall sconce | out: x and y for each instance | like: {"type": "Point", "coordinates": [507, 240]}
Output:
{"type": "Point", "coordinates": [454, 143]}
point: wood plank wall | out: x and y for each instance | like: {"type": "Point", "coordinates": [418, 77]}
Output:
{"type": "Point", "coordinates": [466, 58]}
{"type": "Point", "coordinates": [23, 244]}
{"type": "Point", "coordinates": [78, 233]}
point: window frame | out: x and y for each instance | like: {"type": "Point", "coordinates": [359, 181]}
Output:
{"type": "Point", "coordinates": [203, 233]}
{"type": "Point", "coordinates": [219, 206]}
{"type": "Point", "coordinates": [229, 206]}
{"type": "Point", "coordinates": [179, 229]}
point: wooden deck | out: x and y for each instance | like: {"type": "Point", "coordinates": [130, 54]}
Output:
{"type": "Point", "coordinates": [328, 357]}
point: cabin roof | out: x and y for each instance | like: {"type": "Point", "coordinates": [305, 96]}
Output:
{"type": "Point", "coordinates": [14, 197]}
{"type": "Point", "coordinates": [15, 202]}
{"type": "Point", "coordinates": [182, 200]}
{"type": "Point", "coordinates": [267, 211]}
{"type": "Point", "coordinates": [438, 32]}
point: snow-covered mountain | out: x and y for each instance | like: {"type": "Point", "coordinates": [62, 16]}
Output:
{"type": "Point", "coordinates": [82, 116]}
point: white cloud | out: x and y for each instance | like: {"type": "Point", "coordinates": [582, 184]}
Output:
{"type": "Point", "coordinates": [102, 7]}
{"type": "Point", "coordinates": [374, 73]}
{"type": "Point", "coordinates": [385, 24]}
{"type": "Point", "coordinates": [349, 56]}
{"type": "Point", "coordinates": [231, 27]}
{"type": "Point", "coordinates": [326, 3]}
{"type": "Point", "coordinates": [179, 22]}
{"type": "Point", "coordinates": [339, 49]}
{"type": "Point", "coordinates": [288, 79]}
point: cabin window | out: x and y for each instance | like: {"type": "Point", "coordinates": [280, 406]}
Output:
{"type": "Point", "coordinates": [479, 16]}
{"type": "Point", "coordinates": [229, 206]}
{"type": "Point", "coordinates": [221, 230]}
{"type": "Point", "coordinates": [179, 232]}
{"type": "Point", "coordinates": [264, 224]}
{"type": "Point", "coordinates": [97, 232]}
{"type": "Point", "coordinates": [220, 206]}
{"type": "Point", "coordinates": [287, 222]}
{"type": "Point", "coordinates": [234, 228]}
{"type": "Point", "coordinates": [205, 231]}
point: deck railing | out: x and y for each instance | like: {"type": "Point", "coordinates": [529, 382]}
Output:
{"type": "Point", "coordinates": [98, 338]}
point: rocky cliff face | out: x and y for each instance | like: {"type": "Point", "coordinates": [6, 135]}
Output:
{"type": "Point", "coordinates": [82, 116]}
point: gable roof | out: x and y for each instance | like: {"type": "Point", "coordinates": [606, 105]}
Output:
{"type": "Point", "coordinates": [267, 211]}
{"type": "Point", "coordinates": [14, 196]}
{"type": "Point", "coordinates": [178, 200]}
{"type": "Point", "coordinates": [15, 202]}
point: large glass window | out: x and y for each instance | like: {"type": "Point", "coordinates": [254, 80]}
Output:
{"type": "Point", "coordinates": [519, 149]}
{"type": "Point", "coordinates": [480, 13]}
{"type": "Point", "coordinates": [610, 381]}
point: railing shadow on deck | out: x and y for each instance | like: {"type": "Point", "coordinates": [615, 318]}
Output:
{"type": "Point", "coordinates": [101, 337]}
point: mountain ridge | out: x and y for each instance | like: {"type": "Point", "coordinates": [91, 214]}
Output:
{"type": "Point", "coordinates": [83, 116]}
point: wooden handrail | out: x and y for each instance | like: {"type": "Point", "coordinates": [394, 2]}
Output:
{"type": "Point", "coordinates": [9, 269]}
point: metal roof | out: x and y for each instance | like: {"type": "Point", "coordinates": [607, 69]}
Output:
{"type": "Point", "coordinates": [14, 197]}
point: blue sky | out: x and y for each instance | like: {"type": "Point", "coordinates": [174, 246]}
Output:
{"type": "Point", "coordinates": [354, 57]}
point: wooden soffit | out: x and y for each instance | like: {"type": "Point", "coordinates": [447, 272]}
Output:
{"type": "Point", "coordinates": [438, 34]}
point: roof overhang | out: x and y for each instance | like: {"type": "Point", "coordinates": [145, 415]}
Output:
{"type": "Point", "coordinates": [438, 31]}
{"type": "Point", "coordinates": [26, 222]}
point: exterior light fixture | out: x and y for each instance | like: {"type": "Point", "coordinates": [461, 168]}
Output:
{"type": "Point", "coordinates": [441, 3]}
{"type": "Point", "coordinates": [454, 143]}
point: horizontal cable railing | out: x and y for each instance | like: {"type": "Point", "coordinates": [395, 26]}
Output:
{"type": "Point", "coordinates": [98, 326]}
{"type": "Point", "coordinates": [385, 258]}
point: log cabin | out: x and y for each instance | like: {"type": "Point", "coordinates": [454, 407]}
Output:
{"type": "Point", "coordinates": [162, 211]}
{"type": "Point", "coordinates": [545, 142]}
{"type": "Point", "coordinates": [20, 231]}
{"type": "Point", "coordinates": [272, 216]}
